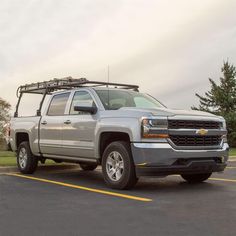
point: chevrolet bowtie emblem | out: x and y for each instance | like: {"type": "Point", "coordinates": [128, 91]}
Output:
{"type": "Point", "coordinates": [202, 131]}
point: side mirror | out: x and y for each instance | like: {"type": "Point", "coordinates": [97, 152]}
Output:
{"type": "Point", "coordinates": [86, 107]}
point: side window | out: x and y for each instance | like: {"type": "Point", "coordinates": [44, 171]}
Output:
{"type": "Point", "coordinates": [81, 98]}
{"type": "Point", "coordinates": [58, 104]}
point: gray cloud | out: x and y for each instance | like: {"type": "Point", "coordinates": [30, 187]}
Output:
{"type": "Point", "coordinates": [169, 48]}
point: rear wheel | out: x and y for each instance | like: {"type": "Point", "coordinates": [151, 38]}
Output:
{"type": "Point", "coordinates": [88, 167]}
{"type": "Point", "coordinates": [26, 161]}
{"type": "Point", "coordinates": [118, 167]}
{"type": "Point", "coordinates": [196, 178]}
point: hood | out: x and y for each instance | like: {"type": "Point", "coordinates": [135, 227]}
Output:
{"type": "Point", "coordinates": [166, 112]}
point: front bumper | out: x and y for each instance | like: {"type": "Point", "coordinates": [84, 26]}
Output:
{"type": "Point", "coordinates": [161, 159]}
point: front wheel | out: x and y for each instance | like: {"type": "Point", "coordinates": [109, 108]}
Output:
{"type": "Point", "coordinates": [196, 178]}
{"type": "Point", "coordinates": [26, 161]}
{"type": "Point", "coordinates": [118, 167]}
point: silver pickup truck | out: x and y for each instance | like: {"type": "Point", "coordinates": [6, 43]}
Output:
{"type": "Point", "coordinates": [129, 133]}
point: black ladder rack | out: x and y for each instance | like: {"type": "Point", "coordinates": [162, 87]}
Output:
{"type": "Point", "coordinates": [47, 87]}
{"type": "Point", "coordinates": [67, 83]}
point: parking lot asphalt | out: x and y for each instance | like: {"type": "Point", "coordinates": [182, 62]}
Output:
{"type": "Point", "coordinates": [75, 202]}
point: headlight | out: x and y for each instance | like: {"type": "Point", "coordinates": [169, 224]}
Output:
{"type": "Point", "coordinates": [154, 128]}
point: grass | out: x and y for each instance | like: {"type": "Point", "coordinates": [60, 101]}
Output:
{"type": "Point", "coordinates": [232, 152]}
{"type": "Point", "coordinates": [9, 159]}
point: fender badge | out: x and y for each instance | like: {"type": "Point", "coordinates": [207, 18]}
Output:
{"type": "Point", "coordinates": [202, 131]}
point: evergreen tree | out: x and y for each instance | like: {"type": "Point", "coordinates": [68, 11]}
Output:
{"type": "Point", "coordinates": [221, 100]}
{"type": "Point", "coordinates": [4, 115]}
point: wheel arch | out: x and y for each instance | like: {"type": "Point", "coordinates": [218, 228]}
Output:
{"type": "Point", "coordinates": [108, 137]}
{"type": "Point", "coordinates": [21, 137]}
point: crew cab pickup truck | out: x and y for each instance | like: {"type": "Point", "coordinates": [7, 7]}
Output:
{"type": "Point", "coordinates": [128, 133]}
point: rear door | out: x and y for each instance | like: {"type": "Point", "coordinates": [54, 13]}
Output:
{"type": "Point", "coordinates": [79, 128]}
{"type": "Point", "coordinates": [51, 125]}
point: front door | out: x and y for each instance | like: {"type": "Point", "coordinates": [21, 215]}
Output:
{"type": "Point", "coordinates": [79, 128]}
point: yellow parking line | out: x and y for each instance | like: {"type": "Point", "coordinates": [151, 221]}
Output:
{"type": "Point", "coordinates": [216, 179]}
{"type": "Point", "coordinates": [225, 180]}
{"type": "Point", "coordinates": [231, 167]}
{"type": "Point", "coordinates": [84, 188]}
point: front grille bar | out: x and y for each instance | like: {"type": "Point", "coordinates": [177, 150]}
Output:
{"type": "Point", "coordinates": [193, 124]}
{"type": "Point", "coordinates": [185, 140]}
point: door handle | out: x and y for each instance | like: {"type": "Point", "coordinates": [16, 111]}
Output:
{"type": "Point", "coordinates": [44, 122]}
{"type": "Point", "coordinates": [67, 122]}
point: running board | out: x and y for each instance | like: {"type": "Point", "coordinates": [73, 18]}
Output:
{"type": "Point", "coordinates": [72, 159]}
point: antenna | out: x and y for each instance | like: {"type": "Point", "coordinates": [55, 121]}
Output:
{"type": "Point", "coordinates": [108, 73]}
{"type": "Point", "coordinates": [108, 80]}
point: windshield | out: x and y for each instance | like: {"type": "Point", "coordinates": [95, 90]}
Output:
{"type": "Point", "coordinates": [115, 99]}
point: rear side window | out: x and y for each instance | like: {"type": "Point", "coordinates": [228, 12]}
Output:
{"type": "Point", "coordinates": [58, 104]}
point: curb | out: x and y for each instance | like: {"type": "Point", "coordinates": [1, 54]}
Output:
{"type": "Point", "coordinates": [8, 169]}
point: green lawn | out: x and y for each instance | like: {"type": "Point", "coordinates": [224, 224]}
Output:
{"type": "Point", "coordinates": [9, 159]}
{"type": "Point", "coordinates": [232, 152]}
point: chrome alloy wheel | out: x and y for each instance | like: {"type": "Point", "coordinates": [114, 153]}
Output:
{"type": "Point", "coordinates": [23, 158]}
{"type": "Point", "coordinates": [115, 166]}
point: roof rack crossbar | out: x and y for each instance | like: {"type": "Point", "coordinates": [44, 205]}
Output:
{"type": "Point", "coordinates": [47, 87]}
{"type": "Point", "coordinates": [66, 83]}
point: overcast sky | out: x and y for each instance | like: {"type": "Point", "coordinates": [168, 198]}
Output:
{"type": "Point", "coordinates": [168, 47]}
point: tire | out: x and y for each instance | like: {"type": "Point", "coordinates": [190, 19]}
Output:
{"type": "Point", "coordinates": [118, 167]}
{"type": "Point", "coordinates": [88, 167]}
{"type": "Point", "coordinates": [196, 178]}
{"type": "Point", "coordinates": [27, 163]}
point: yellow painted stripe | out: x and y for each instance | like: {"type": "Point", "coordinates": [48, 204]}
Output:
{"type": "Point", "coordinates": [83, 188]}
{"type": "Point", "coordinates": [232, 160]}
{"type": "Point", "coordinates": [141, 164]}
{"type": "Point", "coordinates": [231, 167]}
{"type": "Point", "coordinates": [224, 180]}
{"type": "Point", "coordinates": [216, 179]}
